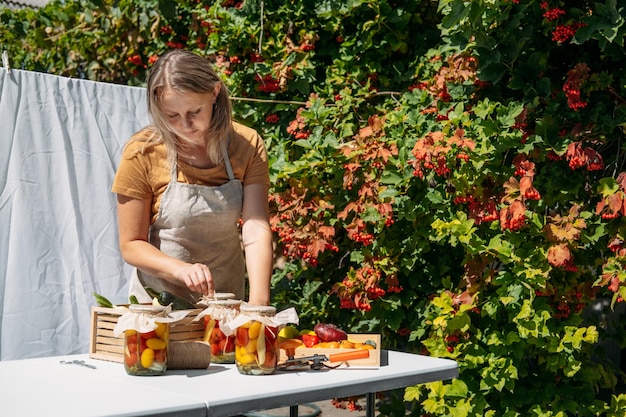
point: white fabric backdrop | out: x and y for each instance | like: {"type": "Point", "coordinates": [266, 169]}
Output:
{"type": "Point", "coordinates": [60, 142]}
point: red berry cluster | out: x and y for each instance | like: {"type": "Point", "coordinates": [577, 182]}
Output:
{"type": "Point", "coordinates": [575, 79]}
{"type": "Point", "coordinates": [513, 217]}
{"type": "Point", "coordinates": [175, 45]}
{"type": "Point", "coordinates": [553, 14]}
{"type": "Point", "coordinates": [578, 156]}
{"type": "Point", "coordinates": [617, 246]}
{"type": "Point", "coordinates": [613, 205]}
{"type": "Point", "coordinates": [451, 341]}
{"type": "Point", "coordinates": [237, 4]}
{"type": "Point", "coordinates": [364, 238]}
{"type": "Point", "coordinates": [136, 60]}
{"type": "Point", "coordinates": [479, 211]}
{"type": "Point", "coordinates": [267, 83]}
{"type": "Point", "coordinates": [254, 57]}
{"type": "Point", "coordinates": [563, 33]}
{"type": "Point", "coordinates": [349, 403]}
{"type": "Point", "coordinates": [298, 126]}
{"type": "Point", "coordinates": [359, 288]}
{"type": "Point", "coordinates": [431, 152]}
{"type": "Point", "coordinates": [483, 211]}
{"type": "Point", "coordinates": [301, 242]}
{"type": "Point", "coordinates": [272, 118]}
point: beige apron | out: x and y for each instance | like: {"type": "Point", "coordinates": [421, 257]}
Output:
{"type": "Point", "coordinates": [198, 224]}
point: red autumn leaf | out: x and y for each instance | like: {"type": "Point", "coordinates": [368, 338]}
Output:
{"type": "Point", "coordinates": [351, 206]}
{"type": "Point", "coordinates": [559, 255]}
{"type": "Point", "coordinates": [385, 209]}
{"type": "Point", "coordinates": [511, 190]}
{"type": "Point", "coordinates": [525, 184]}
{"type": "Point", "coordinates": [326, 231]}
{"type": "Point", "coordinates": [518, 210]}
{"type": "Point", "coordinates": [565, 228]}
{"type": "Point", "coordinates": [565, 233]}
{"type": "Point", "coordinates": [615, 202]}
{"type": "Point", "coordinates": [464, 298]}
{"type": "Point", "coordinates": [621, 180]}
{"type": "Point", "coordinates": [366, 131]}
{"type": "Point", "coordinates": [601, 205]}
{"type": "Point", "coordinates": [316, 246]}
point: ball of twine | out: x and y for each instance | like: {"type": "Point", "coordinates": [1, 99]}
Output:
{"type": "Point", "coordinates": [189, 355]}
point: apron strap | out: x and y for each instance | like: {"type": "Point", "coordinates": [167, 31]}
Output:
{"type": "Point", "coordinates": [174, 173]}
{"type": "Point", "coordinates": [229, 168]}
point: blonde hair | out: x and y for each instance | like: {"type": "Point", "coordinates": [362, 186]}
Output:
{"type": "Point", "coordinates": [186, 71]}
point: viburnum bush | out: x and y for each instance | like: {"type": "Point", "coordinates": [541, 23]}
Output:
{"type": "Point", "coordinates": [448, 174]}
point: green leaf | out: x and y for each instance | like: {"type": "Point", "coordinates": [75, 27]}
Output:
{"type": "Point", "coordinates": [412, 393]}
{"type": "Point", "coordinates": [607, 186]}
{"type": "Point", "coordinates": [492, 72]}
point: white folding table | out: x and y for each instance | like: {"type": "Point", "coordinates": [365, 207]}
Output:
{"type": "Point", "coordinates": [45, 386]}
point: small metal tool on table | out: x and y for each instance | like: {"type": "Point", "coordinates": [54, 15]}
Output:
{"type": "Point", "coordinates": [78, 362]}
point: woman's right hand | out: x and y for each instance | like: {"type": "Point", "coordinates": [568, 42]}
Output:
{"type": "Point", "coordinates": [133, 227]}
{"type": "Point", "coordinates": [197, 277]}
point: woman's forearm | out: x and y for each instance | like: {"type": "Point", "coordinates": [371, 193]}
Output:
{"type": "Point", "coordinates": [258, 246]}
{"type": "Point", "coordinates": [149, 259]}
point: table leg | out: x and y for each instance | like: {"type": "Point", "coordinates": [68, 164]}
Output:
{"type": "Point", "coordinates": [370, 407]}
{"type": "Point", "coordinates": [293, 411]}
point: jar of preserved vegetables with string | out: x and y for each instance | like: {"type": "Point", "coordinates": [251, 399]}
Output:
{"type": "Point", "coordinates": [145, 345]}
{"type": "Point", "coordinates": [256, 340]}
{"type": "Point", "coordinates": [220, 338]}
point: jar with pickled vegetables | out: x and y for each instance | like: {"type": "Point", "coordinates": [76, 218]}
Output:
{"type": "Point", "coordinates": [256, 341]}
{"type": "Point", "coordinates": [222, 345]}
{"type": "Point", "coordinates": [145, 352]}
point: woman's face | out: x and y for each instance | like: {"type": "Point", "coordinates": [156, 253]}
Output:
{"type": "Point", "coordinates": [188, 114]}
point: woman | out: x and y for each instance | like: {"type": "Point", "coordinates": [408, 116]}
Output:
{"type": "Point", "coordinates": [186, 183]}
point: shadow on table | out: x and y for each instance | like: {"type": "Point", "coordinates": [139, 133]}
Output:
{"type": "Point", "coordinates": [191, 373]}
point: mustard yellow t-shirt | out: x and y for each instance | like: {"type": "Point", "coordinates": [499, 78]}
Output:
{"type": "Point", "coordinates": [146, 174]}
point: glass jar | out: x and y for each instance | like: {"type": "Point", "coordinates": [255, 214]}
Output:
{"type": "Point", "coordinates": [256, 341]}
{"type": "Point", "coordinates": [145, 353]}
{"type": "Point", "coordinates": [222, 346]}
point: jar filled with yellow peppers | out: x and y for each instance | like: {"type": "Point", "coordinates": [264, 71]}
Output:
{"type": "Point", "coordinates": [256, 341]}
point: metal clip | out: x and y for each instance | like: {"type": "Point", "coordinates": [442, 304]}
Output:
{"type": "Point", "coordinates": [314, 362]}
{"type": "Point", "coordinates": [77, 362]}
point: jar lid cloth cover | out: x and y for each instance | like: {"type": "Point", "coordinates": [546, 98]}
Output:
{"type": "Point", "coordinates": [144, 318]}
{"type": "Point", "coordinates": [248, 313]}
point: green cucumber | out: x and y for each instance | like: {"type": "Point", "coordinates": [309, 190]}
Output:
{"type": "Point", "coordinates": [166, 298]}
{"type": "Point", "coordinates": [177, 303]}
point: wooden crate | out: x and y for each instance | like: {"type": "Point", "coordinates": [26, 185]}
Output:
{"type": "Point", "coordinates": [105, 346]}
{"type": "Point", "coordinates": [372, 362]}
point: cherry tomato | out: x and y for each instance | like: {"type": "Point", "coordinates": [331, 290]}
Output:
{"type": "Point", "coordinates": [149, 335]}
{"type": "Point", "coordinates": [160, 356]}
{"type": "Point", "coordinates": [242, 336]}
{"type": "Point", "coordinates": [130, 358]}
